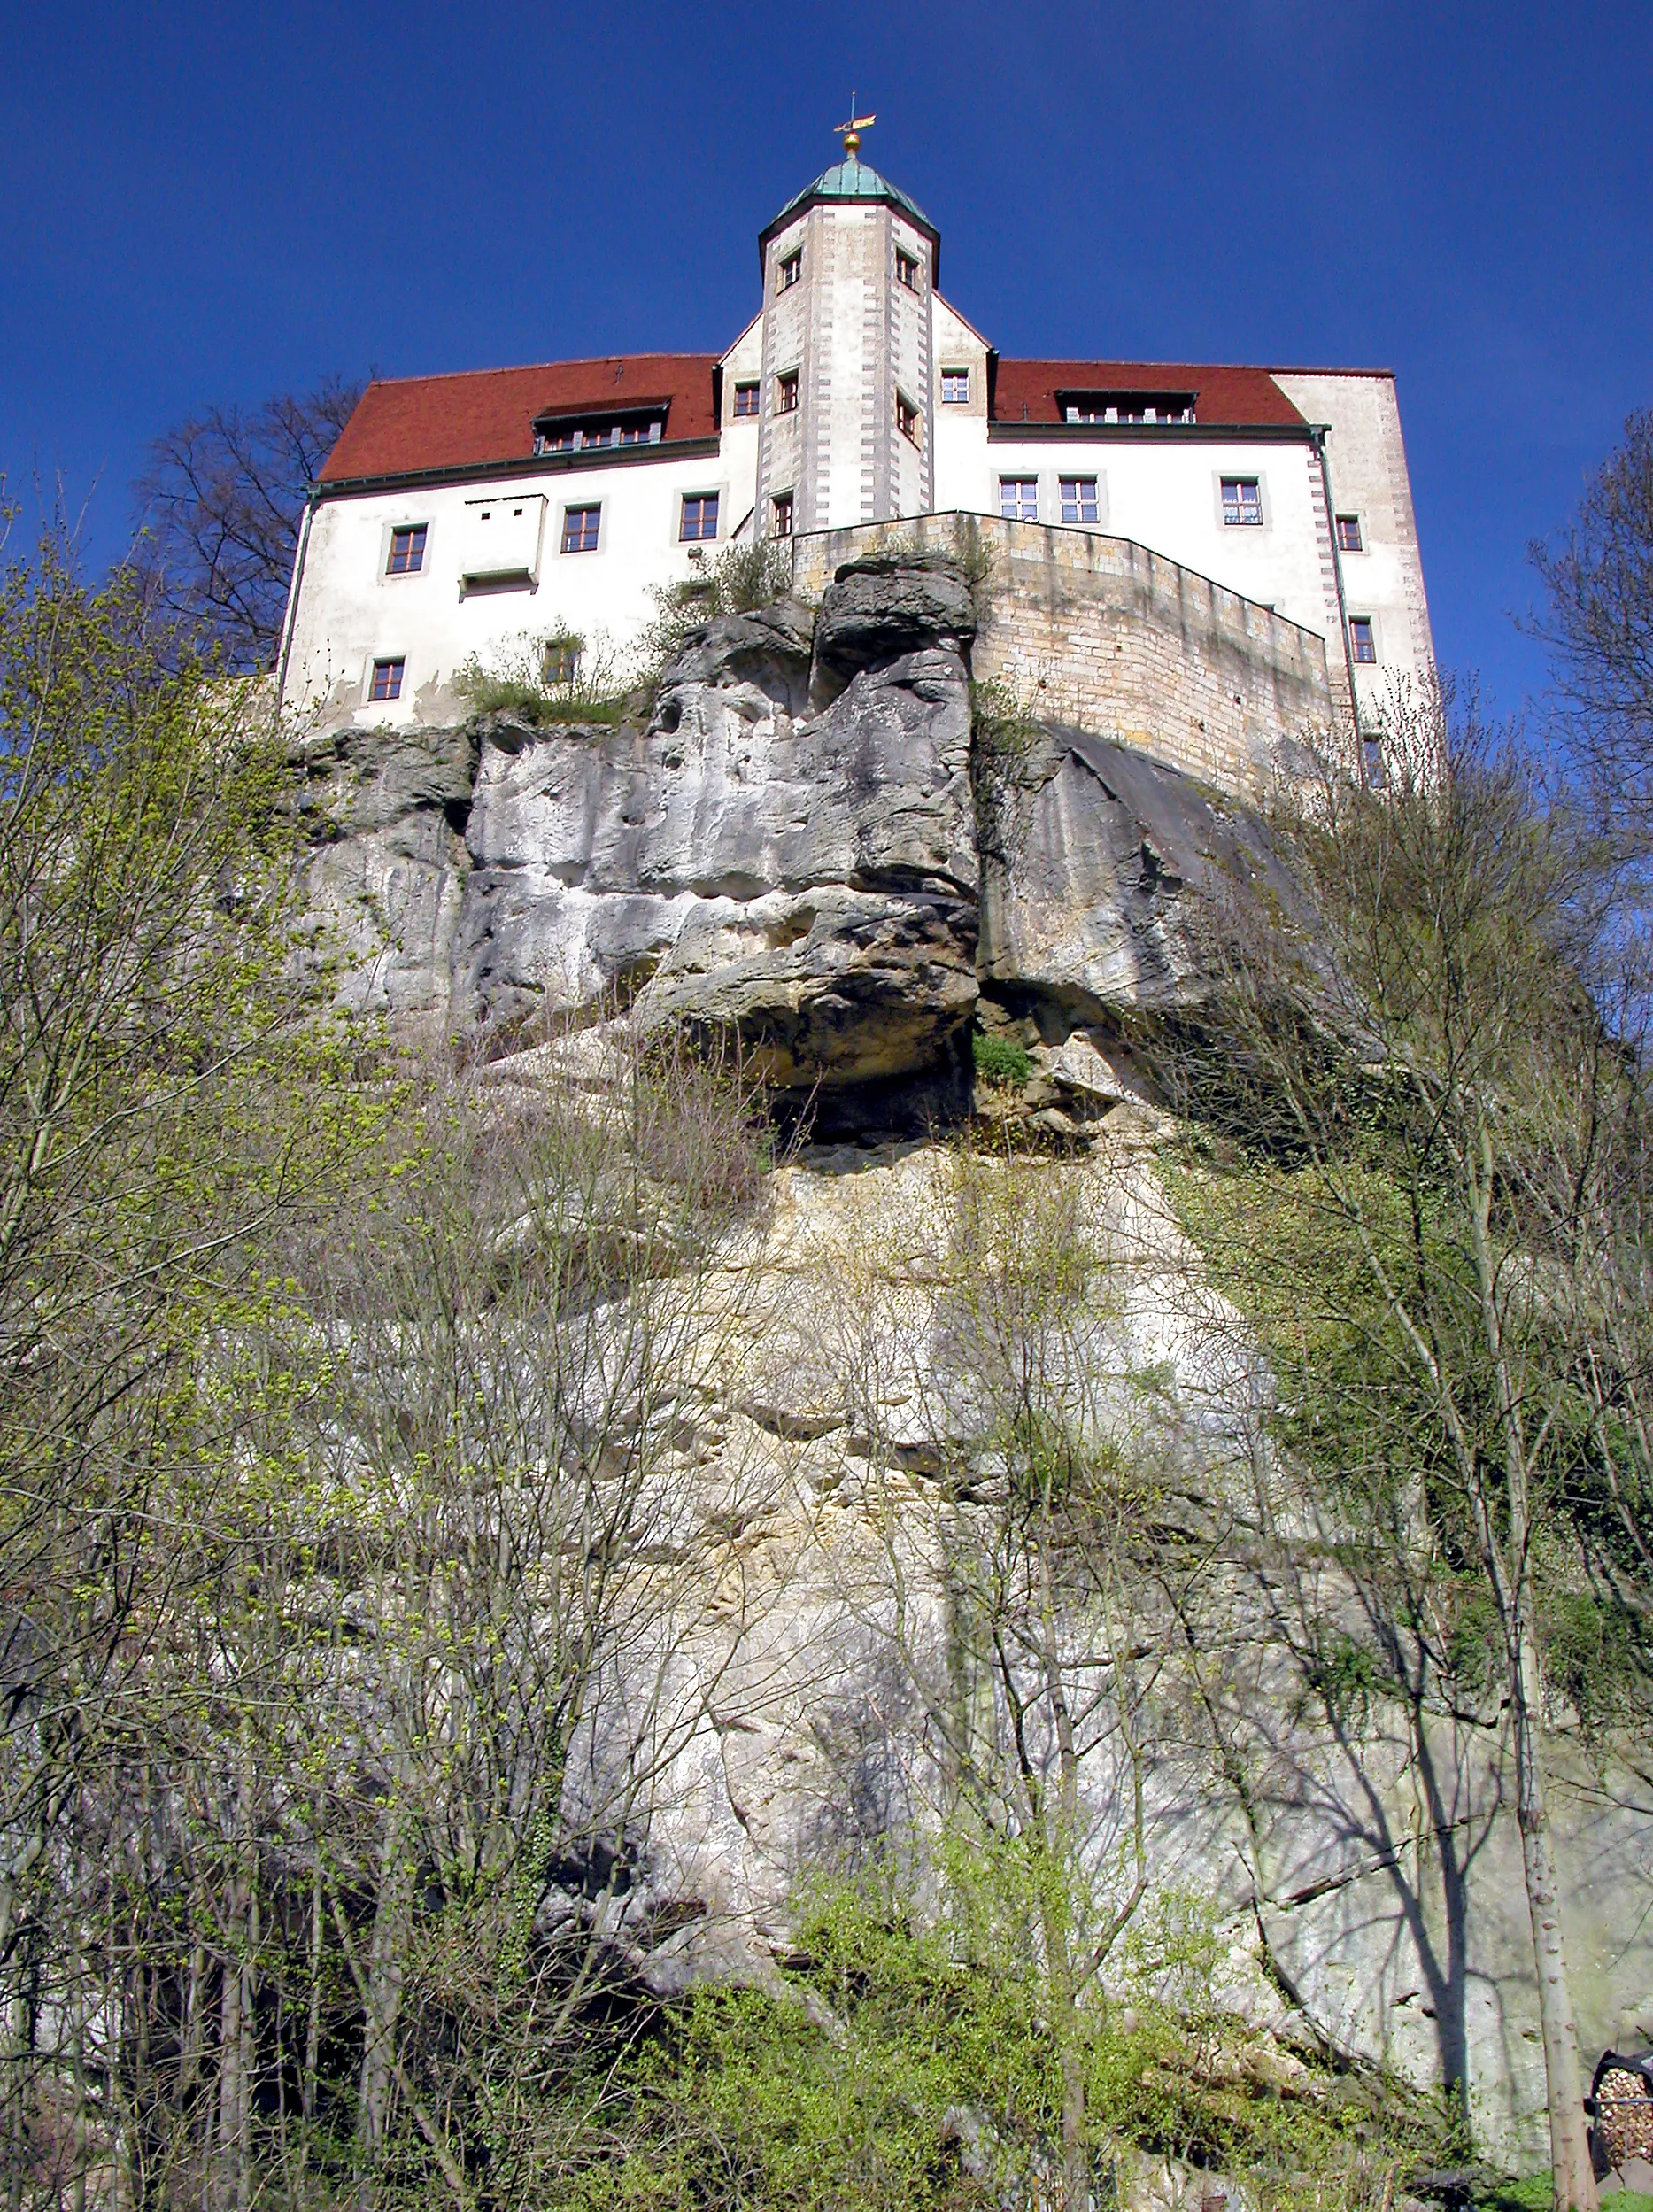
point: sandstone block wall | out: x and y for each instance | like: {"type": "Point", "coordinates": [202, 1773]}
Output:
{"type": "Point", "coordinates": [1099, 632]}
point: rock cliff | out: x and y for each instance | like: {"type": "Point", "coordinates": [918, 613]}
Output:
{"type": "Point", "coordinates": [805, 840]}
{"type": "Point", "coordinates": [817, 839]}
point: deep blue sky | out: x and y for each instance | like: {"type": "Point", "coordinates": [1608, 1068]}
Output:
{"type": "Point", "coordinates": [216, 203]}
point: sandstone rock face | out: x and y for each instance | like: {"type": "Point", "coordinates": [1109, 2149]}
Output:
{"type": "Point", "coordinates": [802, 844]}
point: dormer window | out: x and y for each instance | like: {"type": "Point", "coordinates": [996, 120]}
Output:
{"type": "Point", "coordinates": [594, 433]}
{"type": "Point", "coordinates": [792, 269]}
{"type": "Point", "coordinates": [1126, 406]}
{"type": "Point", "coordinates": [906, 269]}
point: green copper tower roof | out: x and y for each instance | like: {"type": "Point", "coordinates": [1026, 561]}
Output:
{"type": "Point", "coordinates": [851, 179]}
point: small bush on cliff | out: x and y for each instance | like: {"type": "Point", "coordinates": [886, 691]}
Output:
{"type": "Point", "coordinates": [557, 675]}
{"type": "Point", "coordinates": [738, 580]}
{"type": "Point", "coordinates": [999, 1060]}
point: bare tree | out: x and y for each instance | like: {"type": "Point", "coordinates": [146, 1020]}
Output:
{"type": "Point", "coordinates": [1598, 575]}
{"type": "Point", "coordinates": [1424, 1055]}
{"type": "Point", "coordinates": [219, 507]}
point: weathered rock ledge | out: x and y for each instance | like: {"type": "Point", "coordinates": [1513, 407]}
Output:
{"type": "Point", "coordinates": [803, 843]}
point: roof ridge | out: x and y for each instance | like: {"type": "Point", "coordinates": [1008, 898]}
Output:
{"type": "Point", "coordinates": [527, 368]}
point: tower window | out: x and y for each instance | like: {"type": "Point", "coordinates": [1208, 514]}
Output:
{"type": "Point", "coordinates": [407, 550]}
{"type": "Point", "coordinates": [786, 393]}
{"type": "Point", "coordinates": [387, 679]}
{"type": "Point", "coordinates": [580, 527]}
{"type": "Point", "coordinates": [1079, 499]}
{"type": "Point", "coordinates": [792, 269]}
{"type": "Point", "coordinates": [1348, 540]}
{"type": "Point", "coordinates": [955, 388]}
{"type": "Point", "coordinates": [1018, 499]}
{"type": "Point", "coordinates": [745, 399]}
{"type": "Point", "coordinates": [781, 515]}
{"type": "Point", "coordinates": [1242, 501]}
{"type": "Point", "coordinates": [907, 418]}
{"type": "Point", "coordinates": [1361, 639]}
{"type": "Point", "coordinates": [700, 517]}
{"type": "Point", "coordinates": [906, 269]}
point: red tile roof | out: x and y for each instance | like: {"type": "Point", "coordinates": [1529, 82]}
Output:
{"type": "Point", "coordinates": [487, 415]}
{"type": "Point", "coordinates": [1025, 391]}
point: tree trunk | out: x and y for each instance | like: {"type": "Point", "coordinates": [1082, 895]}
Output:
{"type": "Point", "coordinates": [386, 1966]}
{"type": "Point", "coordinates": [1569, 2141]}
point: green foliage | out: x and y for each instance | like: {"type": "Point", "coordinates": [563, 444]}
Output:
{"type": "Point", "coordinates": [850, 2091]}
{"type": "Point", "coordinates": [738, 580]}
{"type": "Point", "coordinates": [519, 681]}
{"type": "Point", "coordinates": [999, 1060]}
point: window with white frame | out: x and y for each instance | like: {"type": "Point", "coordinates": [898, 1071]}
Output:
{"type": "Point", "coordinates": [955, 388]}
{"type": "Point", "coordinates": [1242, 502]}
{"type": "Point", "coordinates": [1018, 499]}
{"type": "Point", "coordinates": [1079, 499]}
{"type": "Point", "coordinates": [792, 269]}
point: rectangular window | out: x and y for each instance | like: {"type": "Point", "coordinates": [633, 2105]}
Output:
{"type": "Point", "coordinates": [1243, 500]}
{"type": "Point", "coordinates": [955, 388]}
{"type": "Point", "coordinates": [781, 515]}
{"type": "Point", "coordinates": [1079, 499]}
{"type": "Point", "coordinates": [786, 393]}
{"type": "Point", "coordinates": [597, 437]}
{"type": "Point", "coordinates": [745, 399]}
{"type": "Point", "coordinates": [906, 269]}
{"type": "Point", "coordinates": [407, 550]}
{"type": "Point", "coordinates": [907, 418]}
{"type": "Point", "coordinates": [636, 433]}
{"type": "Point", "coordinates": [559, 660]}
{"type": "Point", "coordinates": [700, 517]}
{"type": "Point", "coordinates": [579, 526]}
{"type": "Point", "coordinates": [1018, 499]}
{"type": "Point", "coordinates": [387, 679]}
{"type": "Point", "coordinates": [1360, 638]}
{"type": "Point", "coordinates": [792, 269]}
{"type": "Point", "coordinates": [1349, 534]}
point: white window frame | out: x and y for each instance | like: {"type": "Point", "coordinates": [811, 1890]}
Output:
{"type": "Point", "coordinates": [949, 400]}
{"type": "Point", "coordinates": [1093, 477]}
{"type": "Point", "coordinates": [1265, 513]}
{"type": "Point", "coordinates": [1024, 481]}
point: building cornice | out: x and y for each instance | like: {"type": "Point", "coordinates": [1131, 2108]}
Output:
{"type": "Point", "coordinates": [1150, 433]}
{"type": "Point", "coordinates": [526, 465]}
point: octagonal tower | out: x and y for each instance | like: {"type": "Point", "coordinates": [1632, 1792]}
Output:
{"type": "Point", "coordinates": [847, 435]}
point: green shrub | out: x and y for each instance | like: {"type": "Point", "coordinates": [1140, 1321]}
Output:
{"type": "Point", "coordinates": [999, 1061]}
{"type": "Point", "coordinates": [525, 680]}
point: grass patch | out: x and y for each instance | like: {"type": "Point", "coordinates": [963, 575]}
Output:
{"type": "Point", "coordinates": [558, 676]}
{"type": "Point", "coordinates": [999, 1062]}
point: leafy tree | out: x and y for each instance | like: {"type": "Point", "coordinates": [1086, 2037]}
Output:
{"type": "Point", "coordinates": [221, 504]}
{"type": "Point", "coordinates": [1420, 1049]}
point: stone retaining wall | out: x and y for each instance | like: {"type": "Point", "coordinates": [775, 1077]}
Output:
{"type": "Point", "coordinates": [1100, 633]}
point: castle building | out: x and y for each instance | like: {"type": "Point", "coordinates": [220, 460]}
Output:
{"type": "Point", "coordinates": [490, 513]}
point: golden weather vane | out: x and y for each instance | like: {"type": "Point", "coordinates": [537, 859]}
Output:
{"type": "Point", "coordinates": [850, 132]}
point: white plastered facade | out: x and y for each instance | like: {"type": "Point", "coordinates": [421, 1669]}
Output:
{"type": "Point", "coordinates": [890, 420]}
